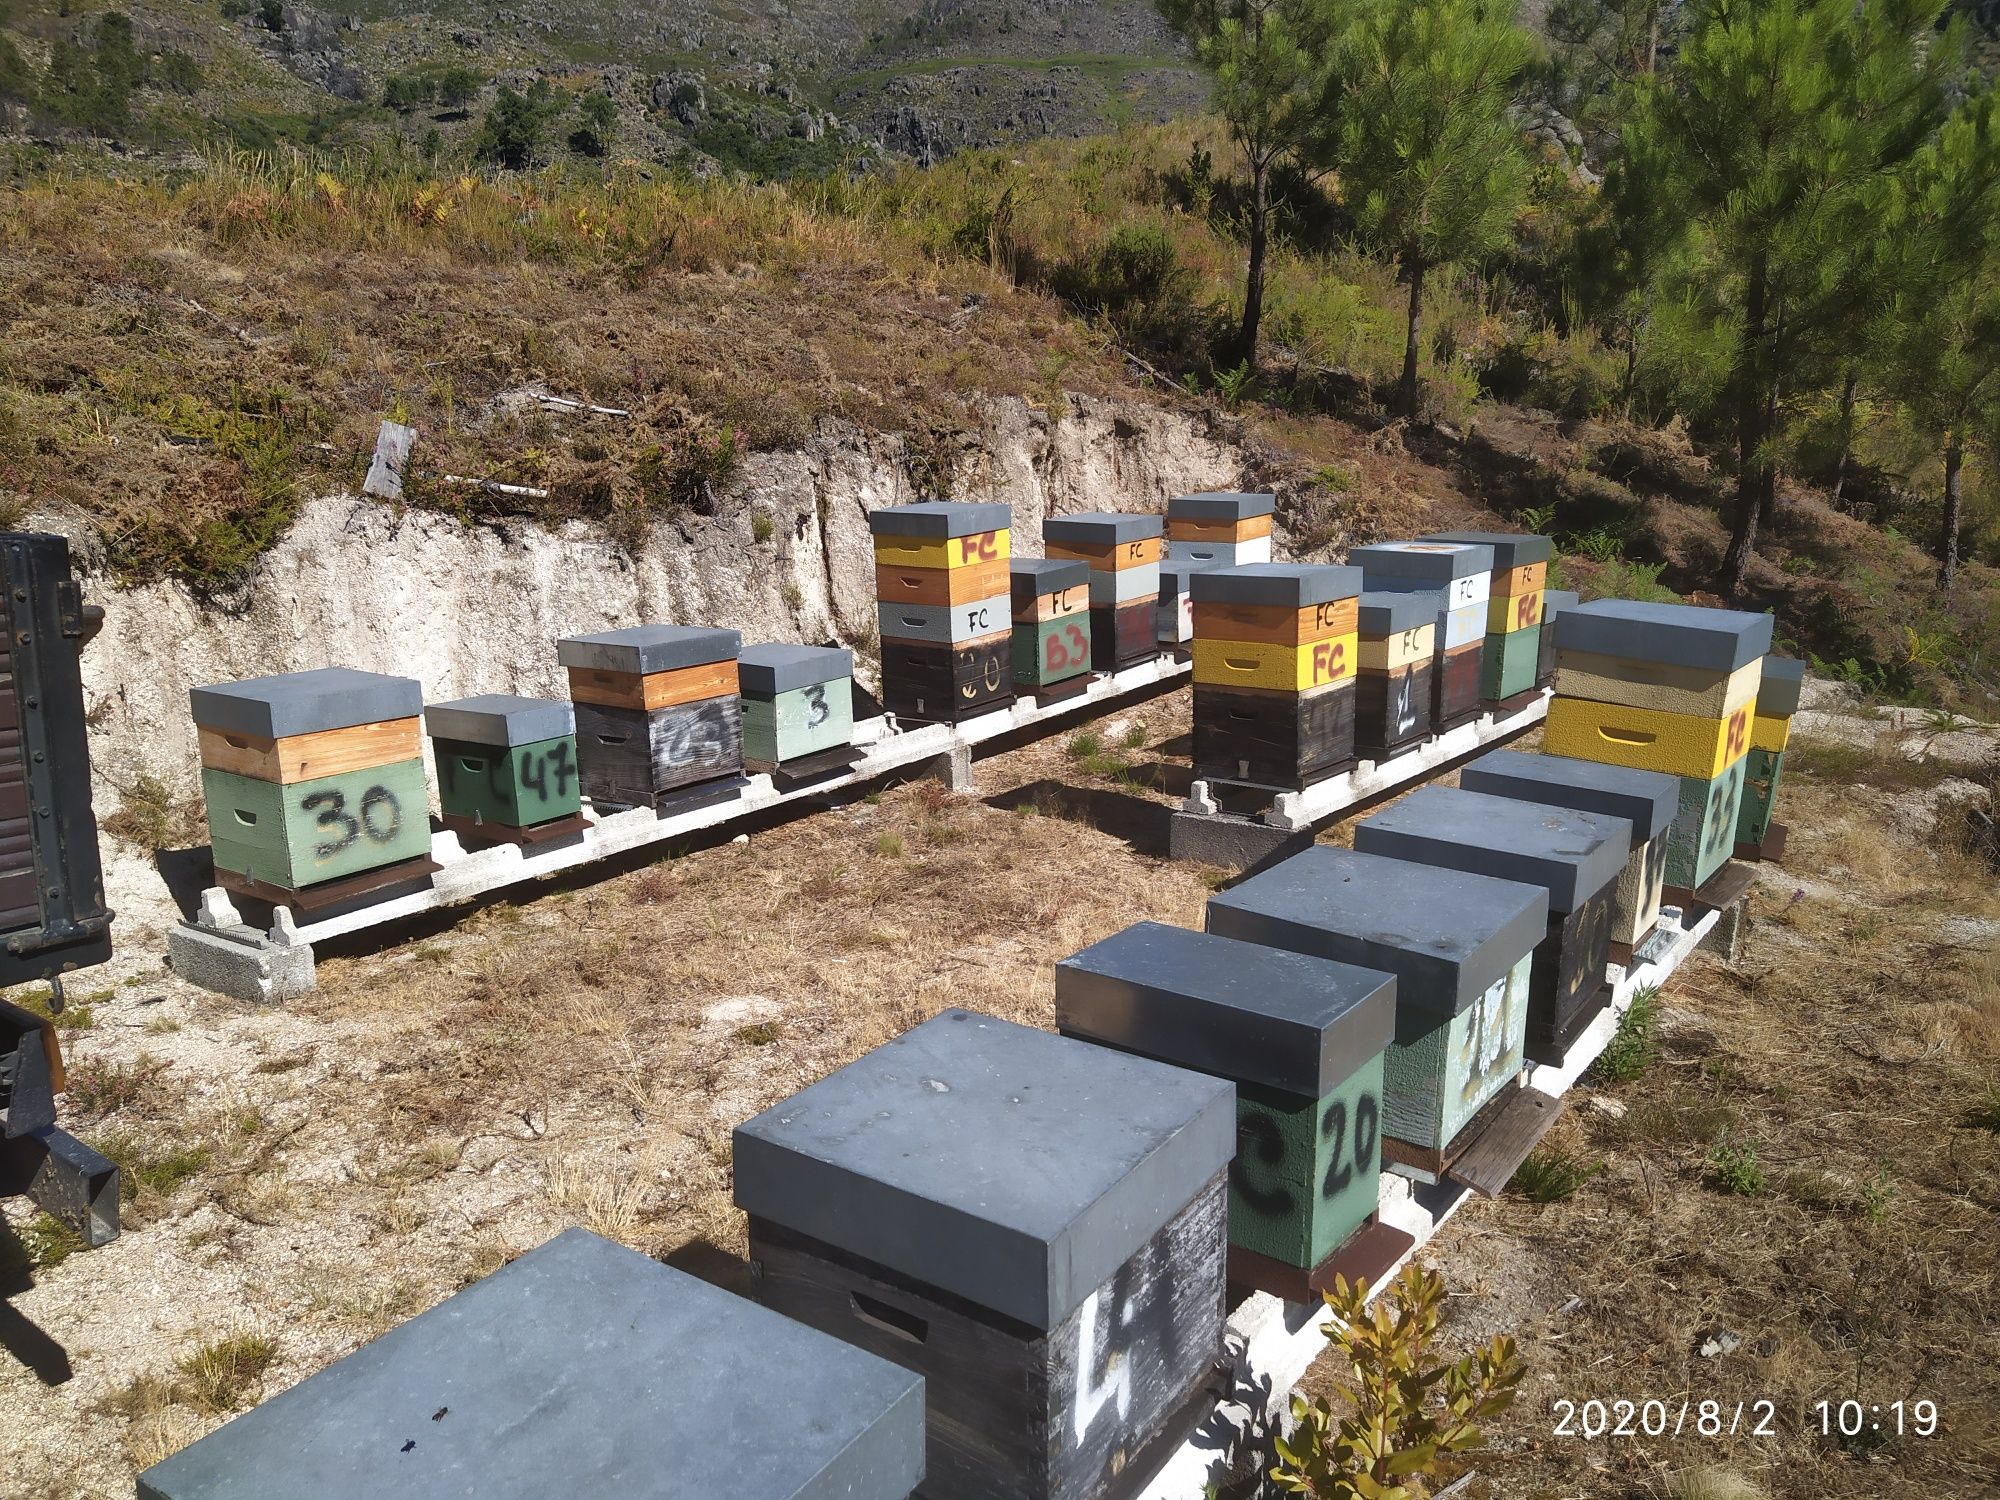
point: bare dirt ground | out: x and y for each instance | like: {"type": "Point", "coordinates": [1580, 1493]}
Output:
{"type": "Point", "coordinates": [307, 1177]}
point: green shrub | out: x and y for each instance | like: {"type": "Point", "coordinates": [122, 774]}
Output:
{"type": "Point", "coordinates": [1734, 1168]}
{"type": "Point", "coordinates": [1632, 1048]}
{"type": "Point", "coordinates": [1549, 1176]}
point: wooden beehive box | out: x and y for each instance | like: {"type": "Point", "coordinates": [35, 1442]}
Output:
{"type": "Point", "coordinates": [1575, 856]}
{"type": "Point", "coordinates": [1302, 1039]}
{"type": "Point", "coordinates": [312, 777]}
{"type": "Point", "coordinates": [1648, 800]}
{"type": "Point", "coordinates": [580, 1369]}
{"type": "Point", "coordinates": [1554, 602]}
{"type": "Point", "coordinates": [505, 765]}
{"type": "Point", "coordinates": [1513, 608]}
{"type": "Point", "coordinates": [798, 703]}
{"type": "Point", "coordinates": [1051, 625]}
{"type": "Point", "coordinates": [944, 608]}
{"type": "Point", "coordinates": [1173, 617]}
{"type": "Point", "coordinates": [1669, 688]}
{"type": "Point", "coordinates": [1033, 1224]}
{"type": "Point", "coordinates": [1123, 552]}
{"type": "Point", "coordinates": [658, 709]}
{"type": "Point", "coordinates": [1395, 658]}
{"type": "Point", "coordinates": [1463, 573]}
{"type": "Point", "coordinates": [1274, 652]}
{"type": "Point", "coordinates": [1462, 949]}
{"type": "Point", "coordinates": [1221, 529]}
{"type": "Point", "coordinates": [1770, 732]}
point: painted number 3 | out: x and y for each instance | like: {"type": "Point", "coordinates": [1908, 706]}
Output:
{"type": "Point", "coordinates": [381, 818]}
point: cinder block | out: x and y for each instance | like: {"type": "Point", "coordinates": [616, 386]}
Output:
{"type": "Point", "coordinates": [1646, 739]}
{"type": "Point", "coordinates": [938, 519]}
{"type": "Point", "coordinates": [645, 649]}
{"type": "Point", "coordinates": [581, 1369]}
{"type": "Point", "coordinates": [294, 703]}
{"type": "Point", "coordinates": [1682, 635]}
{"type": "Point", "coordinates": [239, 962]}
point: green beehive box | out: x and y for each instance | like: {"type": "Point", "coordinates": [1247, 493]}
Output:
{"type": "Point", "coordinates": [1440, 1074]}
{"type": "Point", "coordinates": [1761, 772]}
{"type": "Point", "coordinates": [515, 786]}
{"type": "Point", "coordinates": [1703, 834]}
{"type": "Point", "coordinates": [1510, 664]}
{"type": "Point", "coordinates": [297, 835]}
{"type": "Point", "coordinates": [1308, 1171]}
{"type": "Point", "coordinates": [804, 721]}
{"type": "Point", "coordinates": [1052, 651]}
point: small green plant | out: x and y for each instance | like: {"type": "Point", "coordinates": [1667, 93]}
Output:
{"type": "Point", "coordinates": [1878, 1196]}
{"type": "Point", "coordinates": [1604, 544]}
{"type": "Point", "coordinates": [759, 1033]}
{"type": "Point", "coordinates": [761, 526]}
{"type": "Point", "coordinates": [1735, 1168]}
{"type": "Point", "coordinates": [1409, 1410]}
{"type": "Point", "coordinates": [1135, 737]}
{"type": "Point", "coordinates": [1633, 1048]}
{"type": "Point", "coordinates": [216, 1378]}
{"type": "Point", "coordinates": [1536, 517]}
{"type": "Point", "coordinates": [49, 1242]}
{"type": "Point", "coordinates": [889, 845]}
{"type": "Point", "coordinates": [1550, 1176]}
{"type": "Point", "coordinates": [1235, 386]}
{"type": "Point", "coordinates": [1084, 745]}
{"type": "Point", "coordinates": [97, 1088]}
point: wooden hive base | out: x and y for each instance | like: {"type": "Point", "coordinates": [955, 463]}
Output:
{"type": "Point", "coordinates": [474, 833]}
{"type": "Point", "coordinates": [1365, 1255]}
{"type": "Point", "coordinates": [1487, 1149]}
{"type": "Point", "coordinates": [804, 770]}
{"type": "Point", "coordinates": [1771, 851]}
{"type": "Point", "coordinates": [381, 884]}
{"type": "Point", "coordinates": [1621, 953]}
{"type": "Point", "coordinates": [1057, 692]}
{"type": "Point", "coordinates": [1501, 708]}
{"type": "Point", "coordinates": [1381, 753]}
{"type": "Point", "coordinates": [1724, 889]}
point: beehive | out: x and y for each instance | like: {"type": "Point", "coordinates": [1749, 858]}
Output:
{"type": "Point", "coordinates": [1647, 800]}
{"type": "Point", "coordinates": [1302, 1039]}
{"type": "Point", "coordinates": [1051, 625]}
{"type": "Point", "coordinates": [798, 702]}
{"type": "Point", "coordinates": [944, 608]}
{"type": "Point", "coordinates": [1174, 616]}
{"type": "Point", "coordinates": [312, 777]}
{"type": "Point", "coordinates": [1669, 688]}
{"type": "Point", "coordinates": [1395, 658]}
{"type": "Point", "coordinates": [1033, 1224]}
{"type": "Point", "coordinates": [1554, 602]}
{"type": "Point", "coordinates": [1462, 949]}
{"type": "Point", "coordinates": [1513, 609]}
{"type": "Point", "coordinates": [505, 765]}
{"type": "Point", "coordinates": [1575, 856]}
{"type": "Point", "coordinates": [1222, 530]}
{"type": "Point", "coordinates": [1123, 552]}
{"type": "Point", "coordinates": [1463, 573]}
{"type": "Point", "coordinates": [1274, 651]}
{"type": "Point", "coordinates": [1770, 733]}
{"type": "Point", "coordinates": [658, 709]}
{"type": "Point", "coordinates": [580, 1369]}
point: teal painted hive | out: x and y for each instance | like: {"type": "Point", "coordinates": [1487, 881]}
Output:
{"type": "Point", "coordinates": [797, 701]}
{"type": "Point", "coordinates": [505, 761]}
{"type": "Point", "coordinates": [1703, 834]}
{"type": "Point", "coordinates": [299, 834]}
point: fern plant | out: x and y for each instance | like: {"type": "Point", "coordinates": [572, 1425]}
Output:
{"type": "Point", "coordinates": [1409, 1412]}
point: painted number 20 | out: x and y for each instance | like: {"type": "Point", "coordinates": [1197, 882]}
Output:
{"type": "Point", "coordinates": [1333, 1127]}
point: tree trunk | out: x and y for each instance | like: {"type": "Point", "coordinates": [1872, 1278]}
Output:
{"type": "Point", "coordinates": [1253, 291]}
{"type": "Point", "coordinates": [1751, 404]}
{"type": "Point", "coordinates": [1954, 457]}
{"type": "Point", "coordinates": [1406, 392]}
{"type": "Point", "coordinates": [1846, 436]}
{"type": "Point", "coordinates": [1767, 480]}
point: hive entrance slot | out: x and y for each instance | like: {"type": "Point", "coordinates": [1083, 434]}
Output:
{"type": "Point", "coordinates": [891, 1320]}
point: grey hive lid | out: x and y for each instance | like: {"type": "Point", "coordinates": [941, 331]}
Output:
{"type": "Point", "coordinates": [1447, 936]}
{"type": "Point", "coordinates": [1679, 635]}
{"type": "Point", "coordinates": [1035, 576]}
{"type": "Point", "coordinates": [1220, 505]}
{"type": "Point", "coordinates": [1571, 854]}
{"type": "Point", "coordinates": [643, 649]}
{"type": "Point", "coordinates": [1431, 560]}
{"type": "Point", "coordinates": [1242, 1011]}
{"type": "Point", "coordinates": [581, 1369]}
{"type": "Point", "coordinates": [1390, 613]}
{"type": "Point", "coordinates": [1282, 585]}
{"type": "Point", "coordinates": [1012, 1167]}
{"type": "Point", "coordinates": [1511, 549]}
{"type": "Point", "coordinates": [1100, 526]}
{"type": "Point", "coordinates": [500, 719]}
{"type": "Point", "coordinates": [770, 670]}
{"type": "Point", "coordinates": [941, 518]}
{"type": "Point", "coordinates": [1778, 689]}
{"type": "Point", "coordinates": [1176, 571]}
{"type": "Point", "coordinates": [1555, 601]}
{"type": "Point", "coordinates": [1648, 800]}
{"type": "Point", "coordinates": [305, 702]}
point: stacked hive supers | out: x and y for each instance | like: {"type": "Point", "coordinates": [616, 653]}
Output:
{"type": "Point", "coordinates": [312, 777]}
{"type": "Point", "coordinates": [1770, 732]}
{"type": "Point", "coordinates": [507, 767]}
{"type": "Point", "coordinates": [1463, 574]}
{"type": "Point", "coordinates": [1226, 530]}
{"type": "Point", "coordinates": [944, 607]}
{"type": "Point", "coordinates": [657, 710]}
{"type": "Point", "coordinates": [1174, 614]}
{"type": "Point", "coordinates": [1051, 626]}
{"type": "Point", "coordinates": [1513, 608]}
{"type": "Point", "coordinates": [1669, 688]}
{"type": "Point", "coordinates": [798, 707]}
{"type": "Point", "coordinates": [1394, 662]}
{"type": "Point", "coordinates": [1274, 651]}
{"type": "Point", "coordinates": [1123, 552]}
{"type": "Point", "coordinates": [1302, 1039]}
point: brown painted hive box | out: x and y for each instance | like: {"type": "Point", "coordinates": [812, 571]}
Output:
{"type": "Point", "coordinates": [1396, 662]}
{"type": "Point", "coordinates": [658, 710]}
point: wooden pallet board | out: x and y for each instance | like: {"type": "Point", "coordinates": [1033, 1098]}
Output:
{"type": "Point", "coordinates": [475, 834]}
{"type": "Point", "coordinates": [379, 884]}
{"type": "Point", "coordinates": [1489, 1164]}
{"type": "Point", "coordinates": [804, 770]}
{"type": "Point", "coordinates": [1722, 890]}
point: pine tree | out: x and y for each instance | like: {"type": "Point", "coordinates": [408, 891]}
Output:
{"type": "Point", "coordinates": [1431, 162]}
{"type": "Point", "coordinates": [1267, 58]}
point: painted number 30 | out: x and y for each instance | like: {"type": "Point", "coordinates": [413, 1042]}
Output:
{"type": "Point", "coordinates": [381, 818]}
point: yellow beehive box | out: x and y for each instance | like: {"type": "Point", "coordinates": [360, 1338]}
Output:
{"type": "Point", "coordinates": [1646, 739]}
{"type": "Point", "coordinates": [1507, 613]}
{"type": "Point", "coordinates": [1278, 668]}
{"type": "Point", "coordinates": [1767, 732]}
{"type": "Point", "coordinates": [1399, 649]}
